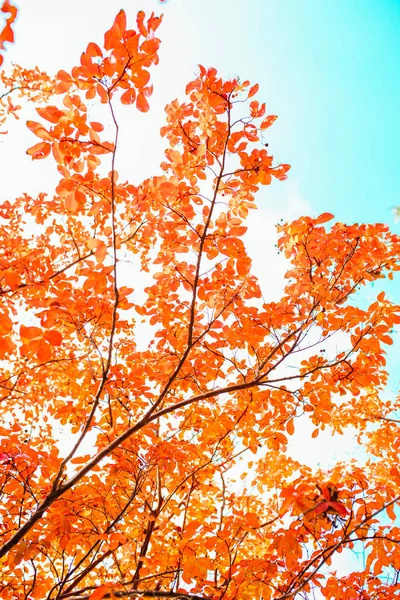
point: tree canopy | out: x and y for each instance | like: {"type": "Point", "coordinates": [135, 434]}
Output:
{"type": "Point", "coordinates": [148, 390]}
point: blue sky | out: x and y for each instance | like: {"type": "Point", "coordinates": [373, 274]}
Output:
{"type": "Point", "coordinates": [335, 81]}
{"type": "Point", "coordinates": [330, 70]}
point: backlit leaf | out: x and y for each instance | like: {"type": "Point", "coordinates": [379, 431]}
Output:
{"type": "Point", "coordinates": [324, 218]}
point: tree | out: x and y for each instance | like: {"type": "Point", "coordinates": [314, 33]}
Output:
{"type": "Point", "coordinates": [145, 502]}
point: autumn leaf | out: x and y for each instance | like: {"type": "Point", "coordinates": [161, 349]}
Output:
{"type": "Point", "coordinates": [324, 218]}
{"type": "Point", "coordinates": [40, 150]}
{"type": "Point", "coordinates": [7, 33]}
{"type": "Point", "coordinates": [30, 333]}
{"type": "Point", "coordinates": [53, 336]}
{"type": "Point", "coordinates": [141, 102]}
{"type": "Point", "coordinates": [99, 593]}
{"type": "Point", "coordinates": [129, 96]}
{"type": "Point", "coordinates": [71, 202]}
{"type": "Point", "coordinates": [268, 121]}
{"type": "Point", "coordinates": [253, 90]}
{"type": "Point", "coordinates": [50, 113]}
{"type": "Point", "coordinates": [5, 323]}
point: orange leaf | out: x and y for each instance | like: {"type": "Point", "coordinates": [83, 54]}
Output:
{"type": "Point", "coordinates": [120, 23]}
{"type": "Point", "coordinates": [140, 23]}
{"type": "Point", "coordinates": [99, 593]}
{"type": "Point", "coordinates": [324, 218]}
{"type": "Point", "coordinates": [7, 34]}
{"type": "Point", "coordinates": [253, 90]}
{"type": "Point", "coordinates": [96, 126]}
{"type": "Point", "coordinates": [40, 150]}
{"type": "Point", "coordinates": [102, 93]}
{"type": "Point", "coordinates": [44, 352]}
{"type": "Point", "coordinates": [6, 345]}
{"type": "Point", "coordinates": [101, 252]}
{"type": "Point", "coordinates": [70, 202]}
{"type": "Point", "coordinates": [12, 279]}
{"type": "Point", "coordinates": [385, 339]}
{"type": "Point", "coordinates": [391, 512]}
{"type": "Point", "coordinates": [5, 323]}
{"type": "Point", "coordinates": [290, 427]}
{"type": "Point", "coordinates": [94, 50]}
{"type": "Point", "coordinates": [243, 266]}
{"type": "Point", "coordinates": [64, 76]}
{"type": "Point", "coordinates": [80, 197]}
{"type": "Point", "coordinates": [141, 102]}
{"type": "Point", "coordinates": [50, 113]}
{"type": "Point", "coordinates": [288, 503]}
{"type": "Point", "coordinates": [381, 296]}
{"type": "Point", "coordinates": [129, 96]}
{"type": "Point", "coordinates": [141, 78]}
{"type": "Point", "coordinates": [167, 189]}
{"type": "Point", "coordinates": [268, 121]}
{"type": "Point", "coordinates": [30, 333]}
{"type": "Point", "coordinates": [64, 83]}
{"type": "Point", "coordinates": [322, 507]}
{"type": "Point", "coordinates": [54, 337]}
{"type": "Point", "coordinates": [39, 130]}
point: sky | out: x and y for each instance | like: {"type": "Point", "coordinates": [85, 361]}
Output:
{"type": "Point", "coordinates": [328, 68]}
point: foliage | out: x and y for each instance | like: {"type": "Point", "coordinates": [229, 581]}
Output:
{"type": "Point", "coordinates": [176, 398]}
{"type": "Point", "coordinates": [7, 34]}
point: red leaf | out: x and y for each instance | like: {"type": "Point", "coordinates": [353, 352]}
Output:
{"type": "Point", "coordinates": [322, 507]}
{"type": "Point", "coordinates": [5, 457]}
{"type": "Point", "coordinates": [339, 508]}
